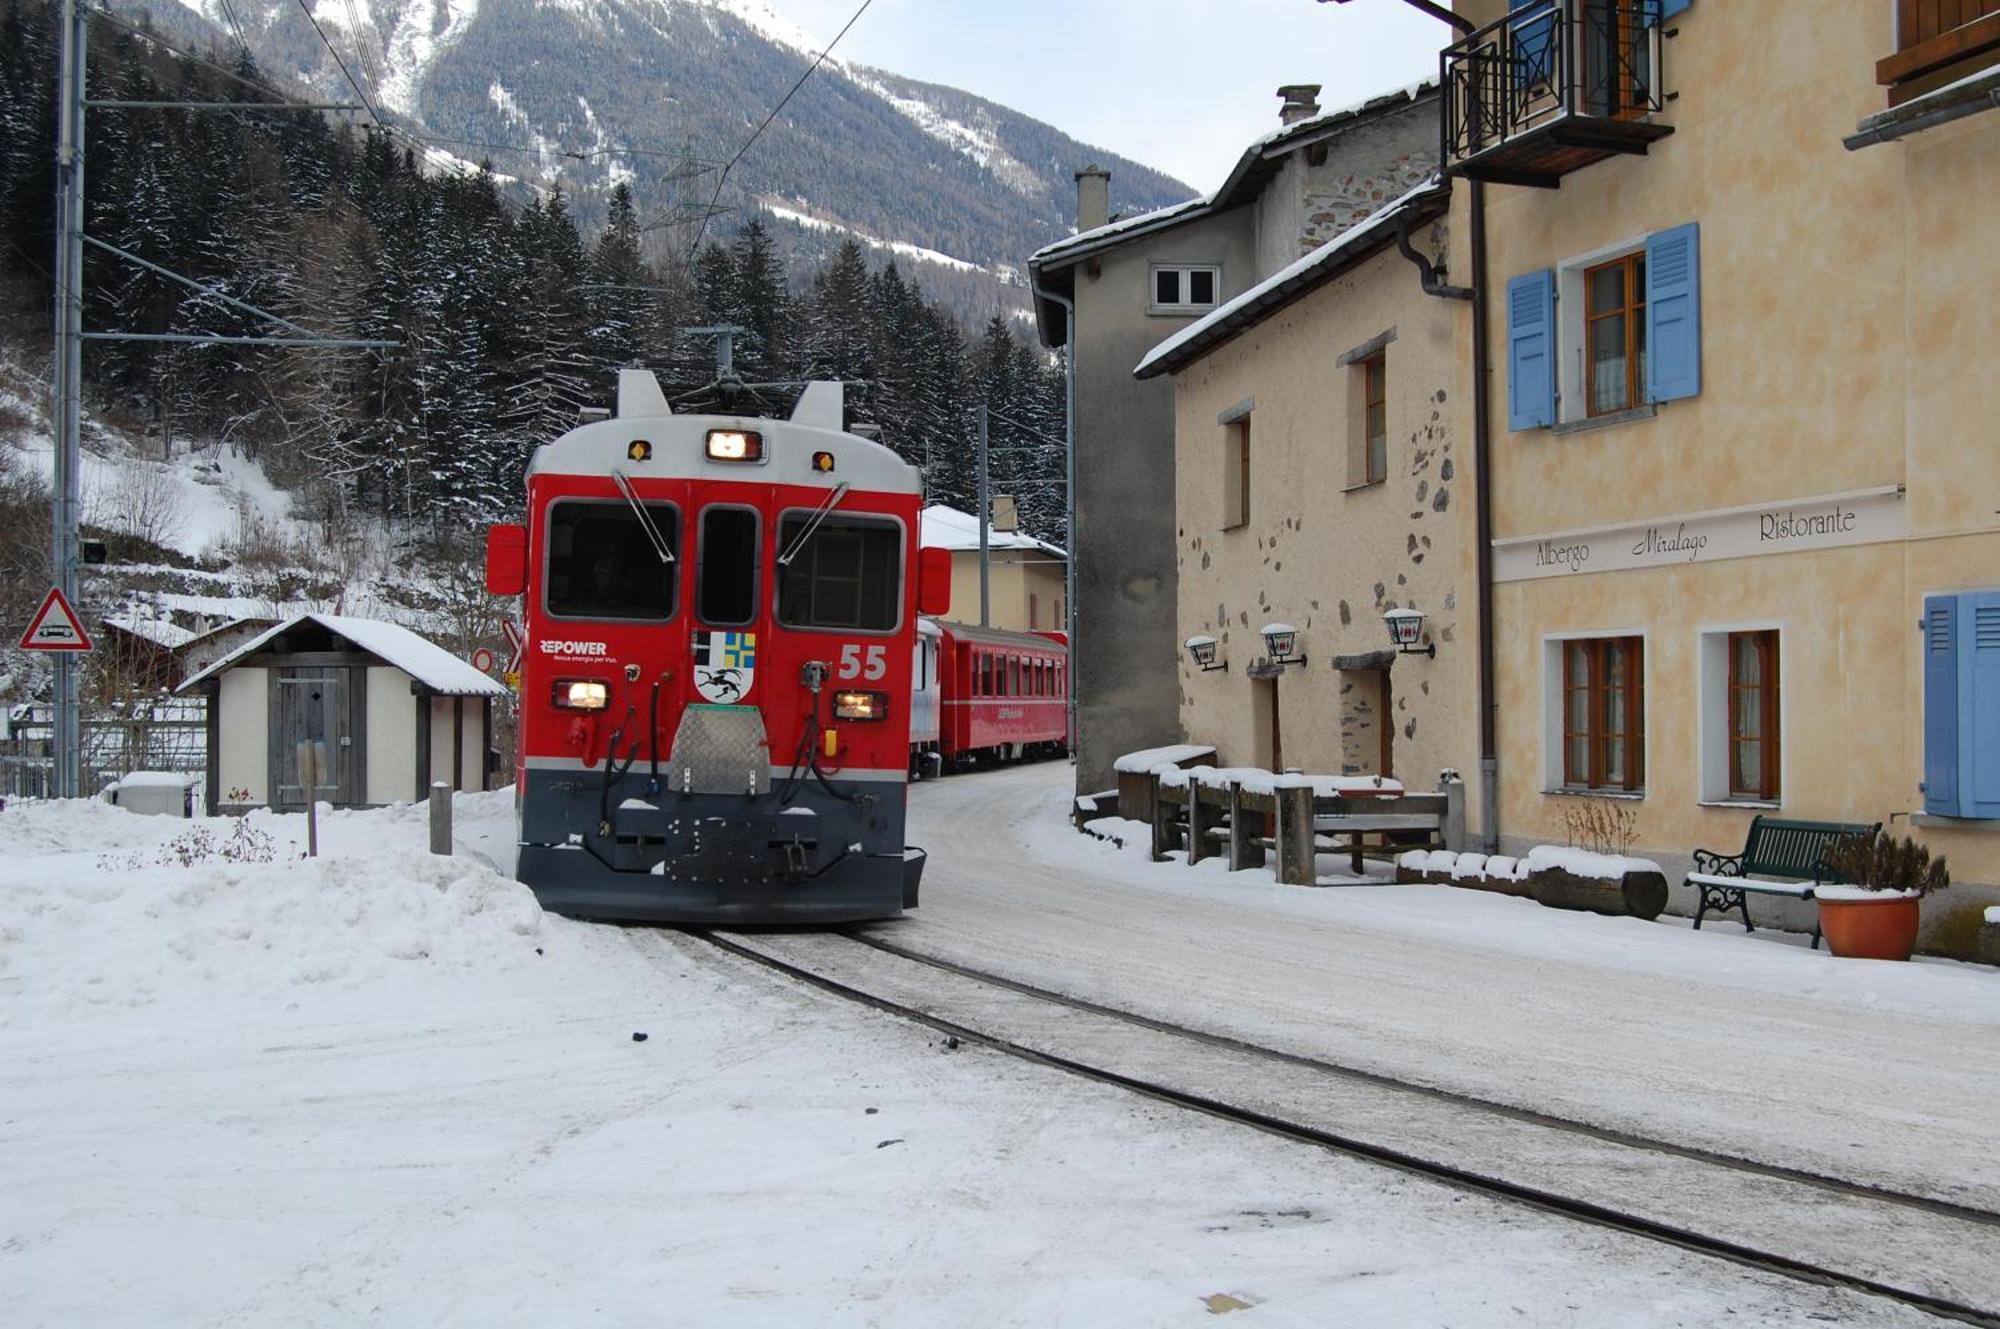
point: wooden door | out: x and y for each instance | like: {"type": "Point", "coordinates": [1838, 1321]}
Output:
{"type": "Point", "coordinates": [311, 704]}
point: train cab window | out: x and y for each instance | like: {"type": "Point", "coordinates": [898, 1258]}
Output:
{"type": "Point", "coordinates": [725, 587]}
{"type": "Point", "coordinates": [602, 563]}
{"type": "Point", "coordinates": [848, 574]}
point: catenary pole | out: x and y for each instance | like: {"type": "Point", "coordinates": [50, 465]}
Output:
{"type": "Point", "coordinates": [68, 378]}
{"type": "Point", "coordinates": [985, 518]}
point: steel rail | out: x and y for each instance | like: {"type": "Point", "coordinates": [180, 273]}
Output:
{"type": "Point", "coordinates": [1568, 1125]}
{"type": "Point", "coordinates": [1533, 1197]}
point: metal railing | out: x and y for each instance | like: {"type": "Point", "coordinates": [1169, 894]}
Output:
{"type": "Point", "coordinates": [1546, 62]}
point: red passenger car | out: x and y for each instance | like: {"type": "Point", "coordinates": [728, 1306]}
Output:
{"type": "Point", "coordinates": [1006, 694]}
{"type": "Point", "coordinates": [721, 613]}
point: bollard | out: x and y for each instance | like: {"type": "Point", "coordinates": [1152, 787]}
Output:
{"type": "Point", "coordinates": [1452, 829]}
{"type": "Point", "coordinates": [441, 818]}
{"type": "Point", "coordinates": [1296, 865]}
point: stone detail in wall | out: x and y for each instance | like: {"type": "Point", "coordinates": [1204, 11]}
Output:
{"type": "Point", "coordinates": [1335, 206]}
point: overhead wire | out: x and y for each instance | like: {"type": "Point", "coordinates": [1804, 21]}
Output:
{"type": "Point", "coordinates": [230, 14]}
{"type": "Point", "coordinates": [701, 228]}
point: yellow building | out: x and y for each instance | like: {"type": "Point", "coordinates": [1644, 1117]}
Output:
{"type": "Point", "coordinates": [1320, 467]}
{"type": "Point", "coordinates": [1744, 474]}
{"type": "Point", "coordinates": [1024, 578]}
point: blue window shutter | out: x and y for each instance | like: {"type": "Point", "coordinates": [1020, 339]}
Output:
{"type": "Point", "coordinates": [1534, 41]}
{"type": "Point", "coordinates": [1670, 8]}
{"type": "Point", "coordinates": [1979, 704]}
{"type": "Point", "coordinates": [1941, 685]}
{"type": "Point", "coordinates": [1673, 313]}
{"type": "Point", "coordinates": [1531, 342]}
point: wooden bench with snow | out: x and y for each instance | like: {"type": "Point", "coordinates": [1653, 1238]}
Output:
{"type": "Point", "coordinates": [1244, 812]}
{"type": "Point", "coordinates": [1780, 857]}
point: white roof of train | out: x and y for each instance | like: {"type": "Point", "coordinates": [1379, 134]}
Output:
{"type": "Point", "coordinates": [678, 444]}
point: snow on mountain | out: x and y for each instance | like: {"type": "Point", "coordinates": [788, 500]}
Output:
{"type": "Point", "coordinates": [589, 94]}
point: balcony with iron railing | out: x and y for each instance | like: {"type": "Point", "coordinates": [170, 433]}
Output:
{"type": "Point", "coordinates": [1552, 87]}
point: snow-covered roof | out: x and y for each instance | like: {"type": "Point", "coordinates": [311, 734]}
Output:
{"type": "Point", "coordinates": [425, 661]}
{"type": "Point", "coordinates": [1287, 284]}
{"type": "Point", "coordinates": [159, 631]}
{"type": "Point", "coordinates": [948, 528]}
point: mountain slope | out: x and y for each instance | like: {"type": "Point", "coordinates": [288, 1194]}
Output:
{"type": "Point", "coordinates": [588, 93]}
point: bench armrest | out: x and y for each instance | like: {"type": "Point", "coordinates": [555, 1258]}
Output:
{"type": "Point", "coordinates": [1725, 865]}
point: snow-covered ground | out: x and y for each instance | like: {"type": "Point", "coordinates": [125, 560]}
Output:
{"type": "Point", "coordinates": [1752, 1044]}
{"type": "Point", "coordinates": [383, 1086]}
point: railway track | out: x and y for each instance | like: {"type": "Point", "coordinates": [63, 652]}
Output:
{"type": "Point", "coordinates": [1919, 1251]}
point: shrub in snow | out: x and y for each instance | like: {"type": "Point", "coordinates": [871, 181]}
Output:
{"type": "Point", "coordinates": [244, 844]}
{"type": "Point", "coordinates": [1599, 825]}
{"type": "Point", "coordinates": [1882, 862]}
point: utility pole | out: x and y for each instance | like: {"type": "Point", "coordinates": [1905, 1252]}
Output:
{"type": "Point", "coordinates": [985, 508]}
{"type": "Point", "coordinates": [68, 380]}
{"type": "Point", "coordinates": [72, 94]}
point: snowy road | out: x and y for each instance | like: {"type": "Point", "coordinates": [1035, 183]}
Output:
{"type": "Point", "coordinates": [382, 1087]}
{"type": "Point", "coordinates": [1879, 1073]}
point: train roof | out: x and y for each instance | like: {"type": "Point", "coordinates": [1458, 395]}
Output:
{"type": "Point", "coordinates": [1003, 636]}
{"type": "Point", "coordinates": [678, 451]}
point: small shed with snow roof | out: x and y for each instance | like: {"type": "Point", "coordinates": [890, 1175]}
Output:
{"type": "Point", "coordinates": [395, 711]}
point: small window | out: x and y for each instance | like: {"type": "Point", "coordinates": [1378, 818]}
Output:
{"type": "Point", "coordinates": [726, 580]}
{"type": "Point", "coordinates": [1615, 334]}
{"type": "Point", "coordinates": [1753, 715]}
{"type": "Point", "coordinates": [1603, 714]}
{"type": "Point", "coordinates": [1184, 289]}
{"type": "Point", "coordinates": [1236, 474]}
{"type": "Point", "coordinates": [847, 574]}
{"type": "Point", "coordinates": [602, 562]}
{"type": "Point", "coordinates": [1375, 416]}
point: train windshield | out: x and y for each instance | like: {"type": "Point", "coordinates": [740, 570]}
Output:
{"type": "Point", "coordinates": [725, 585]}
{"type": "Point", "coordinates": [602, 563]}
{"type": "Point", "coordinates": [847, 575]}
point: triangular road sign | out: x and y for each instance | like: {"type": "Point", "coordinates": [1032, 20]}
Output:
{"type": "Point", "coordinates": [56, 627]}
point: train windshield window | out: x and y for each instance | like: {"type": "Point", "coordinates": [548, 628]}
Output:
{"type": "Point", "coordinates": [725, 588]}
{"type": "Point", "coordinates": [602, 563]}
{"type": "Point", "coordinates": [848, 575]}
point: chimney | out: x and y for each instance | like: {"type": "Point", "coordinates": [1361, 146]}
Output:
{"type": "Point", "coordinates": [1093, 198]}
{"type": "Point", "coordinates": [1301, 102]}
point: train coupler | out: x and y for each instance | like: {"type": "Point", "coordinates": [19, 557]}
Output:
{"type": "Point", "coordinates": [795, 851]}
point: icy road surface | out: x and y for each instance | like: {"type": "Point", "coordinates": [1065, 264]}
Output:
{"type": "Point", "coordinates": [382, 1087]}
{"type": "Point", "coordinates": [1753, 1044]}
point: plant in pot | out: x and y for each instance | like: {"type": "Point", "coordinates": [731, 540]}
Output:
{"type": "Point", "coordinates": [1875, 918]}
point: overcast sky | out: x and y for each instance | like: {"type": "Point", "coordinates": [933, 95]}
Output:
{"type": "Point", "coordinates": [1181, 85]}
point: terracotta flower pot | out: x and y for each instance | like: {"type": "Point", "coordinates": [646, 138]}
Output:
{"type": "Point", "coordinates": [1877, 926]}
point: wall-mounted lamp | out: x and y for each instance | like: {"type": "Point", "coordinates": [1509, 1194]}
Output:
{"type": "Point", "coordinates": [1202, 651]}
{"type": "Point", "coordinates": [1280, 641]}
{"type": "Point", "coordinates": [1406, 629]}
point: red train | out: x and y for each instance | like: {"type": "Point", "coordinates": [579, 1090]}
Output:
{"type": "Point", "coordinates": [716, 692]}
{"type": "Point", "coordinates": [998, 696]}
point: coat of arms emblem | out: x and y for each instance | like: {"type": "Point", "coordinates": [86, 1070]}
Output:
{"type": "Point", "coordinates": [724, 665]}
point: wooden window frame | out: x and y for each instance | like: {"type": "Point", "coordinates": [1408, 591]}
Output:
{"type": "Point", "coordinates": [1632, 310]}
{"type": "Point", "coordinates": [1597, 734]}
{"type": "Point", "coordinates": [1633, 95]}
{"type": "Point", "coordinates": [1236, 458]}
{"type": "Point", "coordinates": [1765, 642]}
{"type": "Point", "coordinates": [1374, 411]}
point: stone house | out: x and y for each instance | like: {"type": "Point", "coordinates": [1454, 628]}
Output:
{"type": "Point", "coordinates": [1113, 291]}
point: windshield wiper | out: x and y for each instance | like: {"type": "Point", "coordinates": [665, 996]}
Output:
{"type": "Point", "coordinates": [819, 515]}
{"type": "Point", "coordinates": [645, 518]}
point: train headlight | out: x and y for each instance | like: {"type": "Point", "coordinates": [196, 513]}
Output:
{"type": "Point", "coordinates": [582, 694]}
{"type": "Point", "coordinates": [861, 705]}
{"type": "Point", "coordinates": [735, 445]}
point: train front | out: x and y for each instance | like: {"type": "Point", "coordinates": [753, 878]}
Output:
{"type": "Point", "coordinates": [715, 690]}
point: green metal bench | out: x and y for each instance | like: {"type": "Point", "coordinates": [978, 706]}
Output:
{"type": "Point", "coordinates": [1779, 858]}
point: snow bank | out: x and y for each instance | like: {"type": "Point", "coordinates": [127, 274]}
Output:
{"type": "Point", "coordinates": [1583, 863]}
{"type": "Point", "coordinates": [181, 912]}
{"type": "Point", "coordinates": [1257, 780]}
{"type": "Point", "coordinates": [1138, 763]}
{"type": "Point", "coordinates": [1992, 913]}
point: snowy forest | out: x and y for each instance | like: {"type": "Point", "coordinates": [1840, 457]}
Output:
{"type": "Point", "coordinates": [508, 319]}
